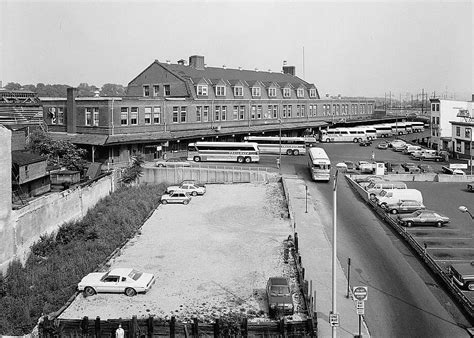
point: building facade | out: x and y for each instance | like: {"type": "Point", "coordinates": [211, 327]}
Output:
{"type": "Point", "coordinates": [169, 105]}
{"type": "Point", "coordinates": [462, 132]}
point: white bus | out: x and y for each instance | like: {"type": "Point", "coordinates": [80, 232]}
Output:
{"type": "Point", "coordinates": [416, 126]}
{"type": "Point", "coordinates": [319, 164]}
{"type": "Point", "coordinates": [383, 130]}
{"type": "Point", "coordinates": [399, 128]}
{"type": "Point", "coordinates": [370, 131]}
{"type": "Point", "coordinates": [343, 135]}
{"type": "Point", "coordinates": [271, 144]}
{"type": "Point", "coordinates": [223, 151]}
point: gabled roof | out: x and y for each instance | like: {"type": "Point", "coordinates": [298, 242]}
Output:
{"type": "Point", "coordinates": [285, 85]}
{"type": "Point", "coordinates": [255, 84]}
{"type": "Point", "coordinates": [22, 158]}
{"type": "Point", "coordinates": [271, 84]}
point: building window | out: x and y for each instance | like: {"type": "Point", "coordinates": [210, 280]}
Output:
{"type": "Point", "coordinates": [286, 92]}
{"type": "Point", "coordinates": [458, 131]}
{"type": "Point", "coordinates": [284, 111]}
{"type": "Point", "coordinates": [253, 112]}
{"type": "Point", "coordinates": [238, 91]}
{"type": "Point", "coordinates": [235, 112]}
{"type": "Point", "coordinates": [123, 116]}
{"type": "Point", "coordinates": [298, 110]}
{"type": "Point", "coordinates": [288, 113]}
{"type": "Point", "coordinates": [242, 112]}
{"type": "Point", "coordinates": [220, 90]}
{"type": "Point", "coordinates": [310, 113]}
{"type": "Point", "coordinates": [259, 112]}
{"type": "Point", "coordinates": [275, 111]}
{"type": "Point", "coordinates": [183, 114]}
{"type": "Point", "coordinates": [205, 114]}
{"type": "Point", "coordinates": [167, 90]}
{"type": "Point", "coordinates": [467, 133]}
{"type": "Point", "coordinates": [272, 92]}
{"type": "Point", "coordinates": [312, 92]}
{"type": "Point", "coordinates": [134, 115]}
{"type": "Point", "coordinates": [146, 91]}
{"type": "Point", "coordinates": [315, 110]}
{"type": "Point", "coordinates": [217, 113]}
{"type": "Point", "coordinates": [95, 121]}
{"type": "Point", "coordinates": [269, 112]}
{"type": "Point", "coordinates": [147, 115]}
{"type": "Point", "coordinates": [175, 114]}
{"type": "Point", "coordinates": [156, 90]}
{"type": "Point", "coordinates": [303, 111]}
{"type": "Point", "coordinates": [198, 113]}
{"type": "Point", "coordinates": [156, 115]}
{"type": "Point", "coordinates": [60, 119]}
{"type": "Point", "coordinates": [88, 116]}
{"type": "Point", "coordinates": [256, 91]}
{"type": "Point", "coordinates": [300, 92]}
{"type": "Point", "coordinates": [202, 90]}
{"type": "Point", "coordinates": [223, 113]}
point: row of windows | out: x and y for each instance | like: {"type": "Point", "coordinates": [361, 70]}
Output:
{"type": "Point", "coordinates": [156, 90]}
{"type": "Point", "coordinates": [129, 116]}
{"type": "Point", "coordinates": [435, 107]}
{"type": "Point", "coordinates": [467, 132]}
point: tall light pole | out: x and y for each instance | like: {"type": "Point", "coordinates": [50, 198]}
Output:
{"type": "Point", "coordinates": [334, 250]}
{"type": "Point", "coordinates": [463, 209]}
{"type": "Point", "coordinates": [470, 148]}
{"type": "Point", "coordinates": [279, 147]}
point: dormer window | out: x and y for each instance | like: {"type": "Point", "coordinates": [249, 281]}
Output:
{"type": "Point", "coordinates": [256, 91]}
{"type": "Point", "coordinates": [272, 92]}
{"type": "Point", "coordinates": [220, 90]}
{"type": "Point", "coordinates": [286, 92]}
{"type": "Point", "coordinates": [146, 91]}
{"type": "Point", "coordinates": [238, 91]}
{"type": "Point", "coordinates": [202, 90]}
{"type": "Point", "coordinates": [312, 92]}
{"type": "Point", "coordinates": [300, 92]}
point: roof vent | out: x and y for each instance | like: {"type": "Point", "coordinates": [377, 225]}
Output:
{"type": "Point", "coordinates": [240, 68]}
{"type": "Point", "coordinates": [168, 62]}
{"type": "Point", "coordinates": [224, 66]}
{"type": "Point", "coordinates": [181, 62]}
{"type": "Point", "coordinates": [284, 63]}
{"type": "Point", "coordinates": [269, 70]}
{"type": "Point", "coordinates": [256, 69]}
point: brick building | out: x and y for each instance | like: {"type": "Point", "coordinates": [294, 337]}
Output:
{"type": "Point", "coordinates": [169, 105]}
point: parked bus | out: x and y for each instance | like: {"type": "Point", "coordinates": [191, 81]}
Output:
{"type": "Point", "coordinates": [273, 144]}
{"type": "Point", "coordinates": [417, 126]}
{"type": "Point", "coordinates": [319, 164]}
{"type": "Point", "coordinates": [399, 128]}
{"type": "Point", "coordinates": [370, 131]}
{"type": "Point", "coordinates": [343, 135]}
{"type": "Point", "coordinates": [383, 130]}
{"type": "Point", "coordinates": [223, 151]}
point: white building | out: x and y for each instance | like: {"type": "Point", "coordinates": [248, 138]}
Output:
{"type": "Point", "coordinates": [462, 132]}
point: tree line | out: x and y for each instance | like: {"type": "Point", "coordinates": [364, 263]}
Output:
{"type": "Point", "coordinates": [59, 90]}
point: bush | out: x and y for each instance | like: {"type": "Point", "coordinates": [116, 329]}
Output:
{"type": "Point", "coordinates": [57, 263]}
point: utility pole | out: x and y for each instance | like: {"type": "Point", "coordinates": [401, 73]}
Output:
{"type": "Point", "coordinates": [422, 101]}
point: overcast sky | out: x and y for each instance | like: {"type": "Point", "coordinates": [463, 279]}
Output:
{"type": "Point", "coordinates": [350, 48]}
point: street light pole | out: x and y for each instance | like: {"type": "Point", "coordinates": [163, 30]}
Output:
{"type": "Point", "coordinates": [334, 250]}
{"type": "Point", "coordinates": [470, 149]}
{"type": "Point", "coordinates": [279, 146]}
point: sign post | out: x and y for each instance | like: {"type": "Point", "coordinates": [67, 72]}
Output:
{"type": "Point", "coordinates": [360, 296]}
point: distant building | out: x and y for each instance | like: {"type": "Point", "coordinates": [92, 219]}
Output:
{"type": "Point", "coordinates": [462, 132]}
{"type": "Point", "coordinates": [29, 175]}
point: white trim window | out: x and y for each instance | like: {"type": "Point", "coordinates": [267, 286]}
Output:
{"type": "Point", "coordinates": [124, 116]}
{"type": "Point", "coordinates": [259, 112]}
{"type": "Point", "coordinates": [303, 111]}
{"type": "Point", "coordinates": [60, 119]}
{"type": "Point", "coordinates": [286, 92]}
{"type": "Point", "coordinates": [217, 113]}
{"type": "Point", "coordinates": [272, 92]}
{"type": "Point", "coordinates": [300, 92]}
{"type": "Point", "coordinates": [198, 113]}
{"type": "Point", "coordinates": [242, 113]}
{"type": "Point", "coordinates": [220, 90]}
{"type": "Point", "coordinates": [253, 112]}
{"type": "Point", "coordinates": [275, 111]}
{"type": "Point", "coordinates": [256, 91]}
{"type": "Point", "coordinates": [235, 113]}
{"type": "Point", "coordinates": [284, 111]}
{"type": "Point", "coordinates": [175, 114]}
{"type": "Point", "coordinates": [88, 116]}
{"type": "Point", "coordinates": [312, 92]}
{"type": "Point", "coordinates": [146, 91]}
{"type": "Point", "coordinates": [156, 115]}
{"type": "Point", "coordinates": [156, 90]}
{"type": "Point", "coordinates": [290, 107]}
{"type": "Point", "coordinates": [310, 112]}
{"type": "Point", "coordinates": [147, 115]}
{"type": "Point", "coordinates": [223, 113]}
{"type": "Point", "coordinates": [238, 91]}
{"type": "Point", "coordinates": [134, 116]}
{"type": "Point", "coordinates": [95, 121]}
{"type": "Point", "coordinates": [205, 114]}
{"type": "Point", "coordinates": [183, 114]}
{"type": "Point", "coordinates": [202, 90]}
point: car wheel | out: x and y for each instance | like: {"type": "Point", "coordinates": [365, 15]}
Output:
{"type": "Point", "coordinates": [197, 159]}
{"type": "Point", "coordinates": [240, 159]}
{"type": "Point", "coordinates": [470, 286]}
{"type": "Point", "coordinates": [89, 291]}
{"type": "Point", "coordinates": [328, 140]}
{"type": "Point", "coordinates": [164, 202]}
{"type": "Point", "coordinates": [296, 152]}
{"type": "Point", "coordinates": [354, 140]}
{"type": "Point", "coordinates": [130, 292]}
{"type": "Point", "coordinates": [436, 159]}
{"type": "Point", "coordinates": [409, 224]}
{"type": "Point", "coordinates": [185, 202]}
{"type": "Point", "coordinates": [289, 152]}
{"type": "Point", "coordinates": [160, 165]}
{"type": "Point", "coordinates": [248, 160]}
{"type": "Point", "coordinates": [394, 211]}
{"type": "Point", "coordinates": [194, 193]}
{"type": "Point", "coordinates": [372, 196]}
{"type": "Point", "coordinates": [439, 224]}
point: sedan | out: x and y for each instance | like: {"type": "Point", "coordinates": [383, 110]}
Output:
{"type": "Point", "coordinates": [173, 163]}
{"type": "Point", "coordinates": [404, 206]}
{"type": "Point", "coordinates": [365, 143]}
{"type": "Point", "coordinates": [176, 197]}
{"type": "Point", "coordinates": [423, 217]}
{"type": "Point", "coordinates": [279, 296]}
{"type": "Point", "coordinates": [382, 145]}
{"type": "Point", "coordinates": [190, 188]}
{"type": "Point", "coordinates": [350, 166]}
{"type": "Point", "coordinates": [119, 280]}
{"type": "Point", "coordinates": [425, 168]}
{"type": "Point", "coordinates": [410, 167]}
{"type": "Point", "coordinates": [470, 187]}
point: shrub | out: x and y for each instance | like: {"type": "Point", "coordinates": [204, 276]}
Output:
{"type": "Point", "coordinates": [57, 263]}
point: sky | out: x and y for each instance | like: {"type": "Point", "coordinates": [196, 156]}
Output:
{"type": "Point", "coordinates": [352, 48]}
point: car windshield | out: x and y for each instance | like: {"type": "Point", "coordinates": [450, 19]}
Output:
{"type": "Point", "coordinates": [135, 275]}
{"type": "Point", "coordinates": [105, 276]}
{"type": "Point", "coordinates": [279, 290]}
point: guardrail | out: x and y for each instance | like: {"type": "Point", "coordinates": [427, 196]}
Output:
{"type": "Point", "coordinates": [444, 276]}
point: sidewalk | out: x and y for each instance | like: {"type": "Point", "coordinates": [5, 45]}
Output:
{"type": "Point", "coordinates": [316, 252]}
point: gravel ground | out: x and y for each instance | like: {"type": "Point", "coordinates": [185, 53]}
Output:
{"type": "Point", "coordinates": [212, 258]}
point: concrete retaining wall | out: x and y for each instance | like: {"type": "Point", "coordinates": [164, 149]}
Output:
{"type": "Point", "coordinates": [428, 177]}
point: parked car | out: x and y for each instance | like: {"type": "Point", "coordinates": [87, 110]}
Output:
{"type": "Point", "coordinates": [399, 147]}
{"type": "Point", "coordinates": [119, 280]}
{"type": "Point", "coordinates": [425, 168]}
{"type": "Point", "coordinates": [394, 168]}
{"type": "Point", "coordinates": [404, 206]}
{"type": "Point", "coordinates": [341, 166]}
{"type": "Point", "coordinates": [430, 156]}
{"type": "Point", "coordinates": [463, 275]}
{"type": "Point", "coordinates": [366, 143]}
{"type": "Point", "coordinates": [364, 182]}
{"type": "Point", "coordinates": [359, 163]}
{"type": "Point", "coordinates": [410, 167]}
{"type": "Point", "coordinates": [280, 300]}
{"type": "Point", "coordinates": [470, 187]}
{"type": "Point", "coordinates": [397, 143]}
{"type": "Point", "coordinates": [190, 188]}
{"type": "Point", "coordinates": [410, 149]}
{"type": "Point", "coordinates": [176, 197]}
{"type": "Point", "coordinates": [192, 182]}
{"type": "Point", "coordinates": [382, 145]}
{"type": "Point", "coordinates": [392, 196]}
{"type": "Point", "coordinates": [350, 166]}
{"type": "Point", "coordinates": [423, 217]}
{"type": "Point", "coordinates": [172, 163]}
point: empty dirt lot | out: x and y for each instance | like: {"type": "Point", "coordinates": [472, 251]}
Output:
{"type": "Point", "coordinates": [211, 257]}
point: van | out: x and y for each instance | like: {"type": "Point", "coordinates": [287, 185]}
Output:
{"type": "Point", "coordinates": [375, 188]}
{"type": "Point", "coordinates": [386, 197]}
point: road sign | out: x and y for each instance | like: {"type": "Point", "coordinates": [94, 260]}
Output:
{"type": "Point", "coordinates": [360, 292]}
{"type": "Point", "coordinates": [334, 319]}
{"type": "Point", "coordinates": [360, 307]}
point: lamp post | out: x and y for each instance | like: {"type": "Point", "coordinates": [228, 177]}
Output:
{"type": "Point", "coordinates": [279, 147]}
{"type": "Point", "coordinates": [470, 149]}
{"type": "Point", "coordinates": [334, 250]}
{"type": "Point", "coordinates": [464, 209]}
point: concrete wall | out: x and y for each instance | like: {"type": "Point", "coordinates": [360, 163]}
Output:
{"type": "Point", "coordinates": [45, 215]}
{"type": "Point", "coordinates": [6, 231]}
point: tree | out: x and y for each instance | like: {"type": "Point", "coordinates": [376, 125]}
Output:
{"type": "Point", "coordinates": [13, 86]}
{"type": "Point", "coordinates": [110, 89]}
{"type": "Point", "coordinates": [132, 173]}
{"type": "Point", "coordinates": [57, 152]}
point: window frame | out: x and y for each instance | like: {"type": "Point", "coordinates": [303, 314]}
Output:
{"type": "Point", "coordinates": [175, 114]}
{"type": "Point", "coordinates": [300, 93]}
{"type": "Point", "coordinates": [286, 92]}
{"type": "Point", "coordinates": [146, 90]}
{"type": "Point", "coordinates": [237, 89]}
{"type": "Point", "coordinates": [88, 116]}
{"type": "Point", "coordinates": [122, 112]}
{"type": "Point", "coordinates": [156, 113]}
{"type": "Point", "coordinates": [156, 90]}
{"type": "Point", "coordinates": [312, 92]}
{"type": "Point", "coordinates": [272, 92]}
{"type": "Point", "coordinates": [132, 113]}
{"type": "Point", "coordinates": [95, 116]}
{"type": "Point", "coordinates": [183, 114]}
{"type": "Point", "coordinates": [220, 90]}
{"type": "Point", "coordinates": [147, 114]}
{"type": "Point", "coordinates": [256, 91]}
{"type": "Point", "coordinates": [202, 90]}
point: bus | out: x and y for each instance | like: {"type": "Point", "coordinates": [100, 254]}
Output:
{"type": "Point", "coordinates": [370, 131]}
{"type": "Point", "coordinates": [223, 151]}
{"type": "Point", "coordinates": [417, 126]}
{"type": "Point", "coordinates": [273, 144]}
{"type": "Point", "coordinates": [383, 130]}
{"type": "Point", "coordinates": [399, 128]}
{"type": "Point", "coordinates": [343, 135]}
{"type": "Point", "coordinates": [319, 164]}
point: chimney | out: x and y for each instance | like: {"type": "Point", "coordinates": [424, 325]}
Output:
{"type": "Point", "coordinates": [71, 121]}
{"type": "Point", "coordinates": [197, 62]}
{"type": "Point", "coordinates": [256, 69]}
{"type": "Point", "coordinates": [289, 70]}
{"type": "Point", "coordinates": [181, 62]}
{"type": "Point", "coordinates": [240, 68]}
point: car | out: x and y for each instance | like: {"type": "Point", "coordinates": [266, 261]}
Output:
{"type": "Point", "coordinates": [394, 168]}
{"type": "Point", "coordinates": [403, 206]}
{"type": "Point", "coordinates": [425, 168]}
{"type": "Point", "coordinates": [429, 156]}
{"type": "Point", "coordinates": [423, 217]}
{"type": "Point", "coordinates": [176, 197]}
{"type": "Point", "coordinates": [192, 182]}
{"type": "Point", "coordinates": [341, 166]}
{"type": "Point", "coordinates": [173, 163]}
{"type": "Point", "coordinates": [382, 145]}
{"type": "Point", "coordinates": [190, 188]}
{"type": "Point", "coordinates": [470, 186]}
{"type": "Point", "coordinates": [119, 280]}
{"type": "Point", "coordinates": [366, 143]}
{"type": "Point", "coordinates": [462, 275]}
{"type": "Point", "coordinates": [350, 166]}
{"type": "Point", "coordinates": [399, 147]}
{"type": "Point", "coordinates": [410, 167]}
{"type": "Point", "coordinates": [397, 143]}
{"type": "Point", "coordinates": [364, 182]}
{"type": "Point", "coordinates": [280, 300]}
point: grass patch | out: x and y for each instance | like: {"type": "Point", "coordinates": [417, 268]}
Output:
{"type": "Point", "coordinates": [58, 262]}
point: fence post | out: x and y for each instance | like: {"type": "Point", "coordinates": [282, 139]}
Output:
{"type": "Point", "coordinates": [296, 241]}
{"type": "Point", "coordinates": [134, 327]}
{"type": "Point", "coordinates": [97, 327]}
{"type": "Point", "coordinates": [281, 326]}
{"type": "Point", "coordinates": [244, 328]}
{"type": "Point", "coordinates": [172, 327]}
{"type": "Point", "coordinates": [195, 328]}
{"type": "Point", "coordinates": [216, 328]}
{"type": "Point", "coordinates": [85, 325]}
{"type": "Point", "coordinates": [149, 325]}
